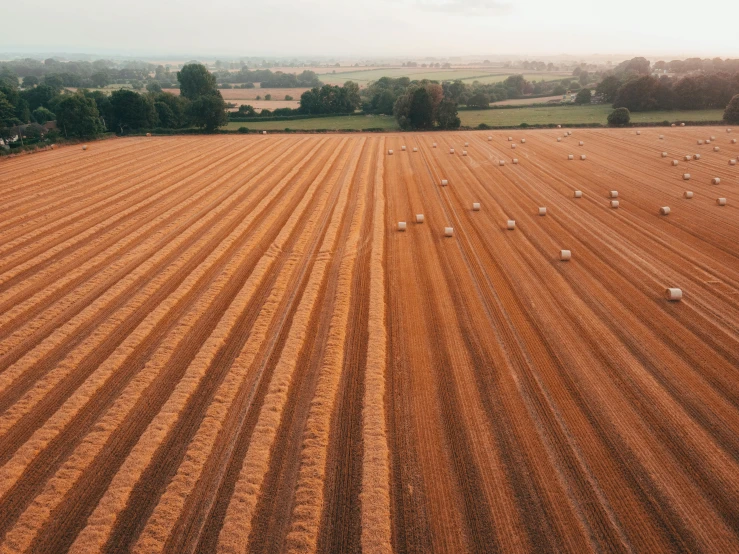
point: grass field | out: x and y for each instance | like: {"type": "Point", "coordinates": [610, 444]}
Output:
{"type": "Point", "coordinates": [338, 123]}
{"type": "Point", "coordinates": [223, 344]}
{"type": "Point", "coordinates": [564, 115]}
{"type": "Point", "coordinates": [575, 115]}
{"type": "Point", "coordinates": [364, 77]}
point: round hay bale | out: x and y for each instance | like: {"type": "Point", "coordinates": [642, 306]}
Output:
{"type": "Point", "coordinates": [728, 130]}
{"type": "Point", "coordinates": [578, 194]}
{"type": "Point", "coordinates": [716, 181]}
{"type": "Point", "coordinates": [638, 132]}
{"type": "Point", "coordinates": [662, 137]}
{"type": "Point", "coordinates": [686, 176]}
{"type": "Point", "coordinates": [565, 255]}
{"type": "Point", "coordinates": [513, 146]}
{"type": "Point", "coordinates": [688, 194]}
{"type": "Point", "coordinates": [510, 139]}
{"type": "Point", "coordinates": [664, 210]}
{"type": "Point", "coordinates": [582, 143]}
{"type": "Point", "coordinates": [523, 141]}
{"type": "Point", "coordinates": [721, 201]}
{"type": "Point", "coordinates": [451, 150]}
{"type": "Point", "coordinates": [389, 152]}
{"type": "Point", "coordinates": [403, 148]}
{"type": "Point", "coordinates": [148, 134]}
{"type": "Point", "coordinates": [697, 157]}
{"type": "Point", "coordinates": [401, 225]}
{"type": "Point", "coordinates": [674, 162]}
{"type": "Point", "coordinates": [490, 138]}
{"type": "Point", "coordinates": [542, 210]}
{"type": "Point", "coordinates": [444, 182]}
{"type": "Point", "coordinates": [515, 161]}
{"type": "Point", "coordinates": [613, 194]}
{"type": "Point", "coordinates": [559, 139]}
{"type": "Point", "coordinates": [672, 125]}
{"type": "Point", "coordinates": [464, 152]}
{"type": "Point", "coordinates": [419, 218]}
{"type": "Point", "coordinates": [700, 142]}
{"type": "Point", "coordinates": [475, 206]}
{"type": "Point", "coordinates": [501, 162]}
{"type": "Point", "coordinates": [264, 132]}
{"type": "Point", "coordinates": [688, 158]}
{"type": "Point", "coordinates": [716, 149]}
{"type": "Point", "coordinates": [713, 138]}
{"type": "Point", "coordinates": [466, 144]}
{"type": "Point", "coordinates": [434, 145]}
{"type": "Point", "coordinates": [511, 225]}
{"type": "Point", "coordinates": [84, 147]}
{"type": "Point", "coordinates": [674, 294]}
{"type": "Point", "coordinates": [614, 204]}
{"type": "Point", "coordinates": [559, 126]}
{"type": "Point", "coordinates": [448, 231]}
{"type": "Point", "coordinates": [583, 157]}
{"type": "Point", "coordinates": [664, 154]}
{"type": "Point", "coordinates": [708, 141]}
{"type": "Point", "coordinates": [682, 125]}
{"type": "Point", "coordinates": [415, 149]}
{"type": "Point", "coordinates": [732, 162]}
{"type": "Point", "coordinates": [733, 141]}
{"type": "Point", "coordinates": [570, 156]}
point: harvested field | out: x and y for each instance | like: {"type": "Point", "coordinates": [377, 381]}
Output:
{"type": "Point", "coordinates": [225, 345]}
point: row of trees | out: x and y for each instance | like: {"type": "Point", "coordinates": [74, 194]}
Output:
{"type": "Point", "coordinates": [269, 79]}
{"type": "Point", "coordinates": [87, 113]}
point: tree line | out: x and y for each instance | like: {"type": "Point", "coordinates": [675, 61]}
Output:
{"type": "Point", "coordinates": [87, 113]}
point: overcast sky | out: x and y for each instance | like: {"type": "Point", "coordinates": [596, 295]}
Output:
{"type": "Point", "coordinates": [346, 28]}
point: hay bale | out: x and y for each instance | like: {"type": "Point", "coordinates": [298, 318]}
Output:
{"type": "Point", "coordinates": [728, 130]}
{"type": "Point", "coordinates": [490, 138]}
{"type": "Point", "coordinates": [448, 231]}
{"type": "Point", "coordinates": [578, 194]}
{"type": "Point", "coordinates": [688, 158]}
{"type": "Point", "coordinates": [672, 125]}
{"type": "Point", "coordinates": [697, 157]}
{"type": "Point", "coordinates": [733, 141]}
{"type": "Point", "coordinates": [464, 152]}
{"type": "Point", "coordinates": [708, 141]}
{"type": "Point", "coordinates": [523, 141]}
{"type": "Point", "coordinates": [513, 146]}
{"type": "Point", "coordinates": [614, 204]}
{"type": "Point", "coordinates": [570, 156]}
{"type": "Point", "coordinates": [542, 210]}
{"type": "Point", "coordinates": [451, 150]}
{"type": "Point", "coordinates": [501, 162]}
{"type": "Point", "coordinates": [389, 152]}
{"type": "Point", "coordinates": [713, 138]}
{"type": "Point", "coordinates": [466, 144]}
{"type": "Point", "coordinates": [444, 182]}
{"type": "Point", "coordinates": [559, 139]}
{"type": "Point", "coordinates": [638, 132]}
{"type": "Point", "coordinates": [565, 255]}
{"type": "Point", "coordinates": [511, 225]}
{"type": "Point", "coordinates": [716, 181]}
{"type": "Point", "coordinates": [264, 132]}
{"type": "Point", "coordinates": [721, 201]}
{"type": "Point", "coordinates": [582, 143]}
{"type": "Point", "coordinates": [716, 149]}
{"type": "Point", "coordinates": [662, 137]}
{"type": "Point", "coordinates": [688, 194]}
{"type": "Point", "coordinates": [434, 145]}
{"type": "Point", "coordinates": [583, 157]}
{"type": "Point", "coordinates": [515, 161]}
{"type": "Point", "coordinates": [419, 218]}
{"type": "Point", "coordinates": [686, 176]}
{"type": "Point", "coordinates": [84, 147]}
{"type": "Point", "coordinates": [559, 126]}
{"type": "Point", "coordinates": [700, 142]}
{"type": "Point", "coordinates": [415, 149]}
{"type": "Point", "coordinates": [401, 225]}
{"type": "Point", "coordinates": [732, 162]}
{"type": "Point", "coordinates": [664, 154]}
{"type": "Point", "coordinates": [510, 139]}
{"type": "Point", "coordinates": [664, 210]}
{"type": "Point", "coordinates": [613, 194]}
{"type": "Point", "coordinates": [682, 125]}
{"type": "Point", "coordinates": [475, 206]}
{"type": "Point", "coordinates": [674, 162]}
{"type": "Point", "coordinates": [674, 294]}
{"type": "Point", "coordinates": [403, 148]}
{"type": "Point", "coordinates": [148, 134]}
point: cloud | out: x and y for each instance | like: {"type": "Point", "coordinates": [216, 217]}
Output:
{"type": "Point", "coordinates": [466, 7]}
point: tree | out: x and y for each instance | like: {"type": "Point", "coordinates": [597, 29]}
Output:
{"type": "Point", "coordinates": [446, 115]}
{"type": "Point", "coordinates": [584, 78]}
{"type": "Point", "coordinates": [154, 87]}
{"type": "Point", "coordinates": [478, 100]}
{"type": "Point", "coordinates": [731, 114]}
{"type": "Point", "coordinates": [634, 66]}
{"type": "Point", "coordinates": [195, 81]}
{"type": "Point", "coordinates": [288, 98]}
{"type": "Point", "coordinates": [54, 81]}
{"type": "Point", "coordinates": [209, 111]}
{"type": "Point", "coordinates": [268, 97]}
{"type": "Point", "coordinates": [42, 115]}
{"type": "Point", "coordinates": [171, 109]}
{"type": "Point", "coordinates": [584, 96]}
{"type": "Point", "coordinates": [30, 81]}
{"type": "Point", "coordinates": [689, 93]}
{"type": "Point", "coordinates": [247, 111]}
{"type": "Point", "coordinates": [608, 88]}
{"type": "Point", "coordinates": [100, 79]}
{"type": "Point", "coordinates": [619, 116]}
{"type": "Point", "coordinates": [78, 116]}
{"type": "Point", "coordinates": [421, 112]}
{"type": "Point", "coordinates": [132, 110]}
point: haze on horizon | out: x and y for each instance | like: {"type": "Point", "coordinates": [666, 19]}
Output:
{"type": "Point", "coordinates": [378, 28]}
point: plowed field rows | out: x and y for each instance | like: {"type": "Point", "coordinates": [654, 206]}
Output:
{"type": "Point", "coordinates": [225, 345]}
